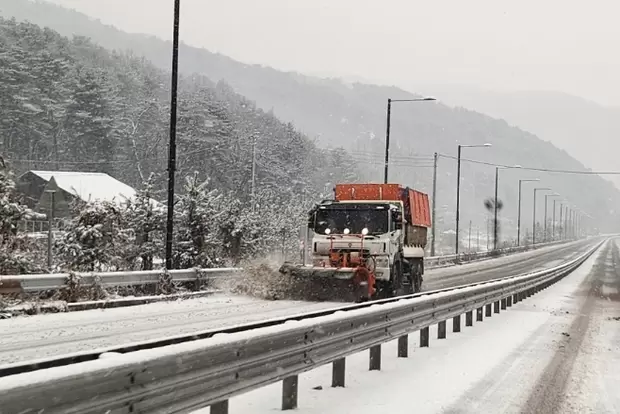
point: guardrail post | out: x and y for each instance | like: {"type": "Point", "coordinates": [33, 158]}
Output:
{"type": "Point", "coordinates": [496, 307]}
{"type": "Point", "coordinates": [479, 314]}
{"type": "Point", "coordinates": [488, 311]}
{"type": "Point", "coordinates": [424, 337]}
{"type": "Point", "coordinates": [469, 318]}
{"type": "Point", "coordinates": [289, 393]}
{"type": "Point", "coordinates": [375, 358]}
{"type": "Point", "coordinates": [219, 407]}
{"type": "Point", "coordinates": [441, 330]}
{"type": "Point", "coordinates": [516, 298]}
{"type": "Point", "coordinates": [504, 304]}
{"type": "Point", "coordinates": [338, 370]}
{"type": "Point", "coordinates": [198, 281]}
{"type": "Point", "coordinates": [403, 346]}
{"type": "Point", "coordinates": [509, 301]}
{"type": "Point", "coordinates": [456, 323]}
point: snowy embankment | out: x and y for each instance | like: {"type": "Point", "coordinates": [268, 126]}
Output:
{"type": "Point", "coordinates": [560, 347]}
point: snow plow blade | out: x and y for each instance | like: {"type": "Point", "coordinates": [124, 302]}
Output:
{"type": "Point", "coordinates": [328, 284]}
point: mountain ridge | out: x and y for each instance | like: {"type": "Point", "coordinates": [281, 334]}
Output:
{"type": "Point", "coordinates": [353, 115]}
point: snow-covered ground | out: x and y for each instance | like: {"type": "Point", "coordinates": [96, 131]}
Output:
{"type": "Point", "coordinates": [558, 351]}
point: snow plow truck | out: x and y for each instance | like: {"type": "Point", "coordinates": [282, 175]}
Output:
{"type": "Point", "coordinates": [368, 243]}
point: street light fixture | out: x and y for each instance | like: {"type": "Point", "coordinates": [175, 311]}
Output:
{"type": "Point", "coordinates": [519, 209]}
{"type": "Point", "coordinates": [534, 213]}
{"type": "Point", "coordinates": [458, 189]}
{"type": "Point", "coordinates": [387, 132]}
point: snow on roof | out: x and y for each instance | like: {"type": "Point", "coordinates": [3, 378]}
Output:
{"type": "Point", "coordinates": [90, 186]}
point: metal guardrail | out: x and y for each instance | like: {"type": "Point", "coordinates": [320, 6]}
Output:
{"type": "Point", "coordinates": [208, 372]}
{"type": "Point", "coordinates": [56, 281]}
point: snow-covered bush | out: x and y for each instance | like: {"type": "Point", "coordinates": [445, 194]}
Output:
{"type": "Point", "coordinates": [96, 238]}
{"type": "Point", "coordinates": [18, 253]}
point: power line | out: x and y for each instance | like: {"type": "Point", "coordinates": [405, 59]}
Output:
{"type": "Point", "coordinates": [549, 170]}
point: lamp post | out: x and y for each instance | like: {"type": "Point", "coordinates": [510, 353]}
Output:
{"type": "Point", "coordinates": [172, 148]}
{"type": "Point", "coordinates": [546, 203]}
{"type": "Point", "coordinates": [519, 210]}
{"type": "Point", "coordinates": [534, 213]}
{"type": "Point", "coordinates": [434, 211]}
{"type": "Point", "coordinates": [387, 131]}
{"type": "Point", "coordinates": [495, 228]}
{"type": "Point", "coordinates": [458, 189]}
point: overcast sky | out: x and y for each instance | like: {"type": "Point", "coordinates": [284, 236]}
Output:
{"type": "Point", "coordinates": [563, 45]}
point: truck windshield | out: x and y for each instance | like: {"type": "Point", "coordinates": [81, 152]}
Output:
{"type": "Point", "coordinates": [336, 218]}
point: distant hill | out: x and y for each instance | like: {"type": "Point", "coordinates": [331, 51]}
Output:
{"type": "Point", "coordinates": [353, 115]}
{"type": "Point", "coordinates": [586, 130]}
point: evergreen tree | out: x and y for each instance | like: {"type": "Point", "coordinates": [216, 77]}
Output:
{"type": "Point", "coordinates": [96, 239]}
{"type": "Point", "coordinates": [145, 217]}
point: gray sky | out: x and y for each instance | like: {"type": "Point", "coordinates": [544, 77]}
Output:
{"type": "Point", "coordinates": [564, 45]}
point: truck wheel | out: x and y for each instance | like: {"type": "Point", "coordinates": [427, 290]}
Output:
{"type": "Point", "coordinates": [397, 279]}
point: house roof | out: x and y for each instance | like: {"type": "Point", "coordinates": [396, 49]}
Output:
{"type": "Point", "coordinates": [89, 186]}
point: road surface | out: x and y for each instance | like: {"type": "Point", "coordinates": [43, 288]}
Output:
{"type": "Point", "coordinates": [556, 352]}
{"type": "Point", "coordinates": [34, 337]}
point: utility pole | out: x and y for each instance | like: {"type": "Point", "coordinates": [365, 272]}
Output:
{"type": "Point", "coordinates": [458, 199]}
{"type": "Point", "coordinates": [553, 223]}
{"type": "Point", "coordinates": [50, 233]}
{"type": "Point", "coordinates": [469, 243]}
{"type": "Point", "coordinates": [253, 173]}
{"type": "Point", "coordinates": [495, 232]}
{"type": "Point", "coordinates": [434, 211]}
{"type": "Point", "coordinates": [561, 222]}
{"type": "Point", "coordinates": [387, 141]}
{"type": "Point", "coordinates": [172, 146]}
{"type": "Point", "coordinates": [478, 241]}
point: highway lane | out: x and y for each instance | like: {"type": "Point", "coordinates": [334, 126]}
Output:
{"type": "Point", "coordinates": [516, 264]}
{"type": "Point", "coordinates": [34, 337]}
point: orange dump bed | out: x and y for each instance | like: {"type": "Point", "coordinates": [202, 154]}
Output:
{"type": "Point", "coordinates": [416, 202]}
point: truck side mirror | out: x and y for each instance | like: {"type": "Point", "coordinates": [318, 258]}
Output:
{"type": "Point", "coordinates": [397, 219]}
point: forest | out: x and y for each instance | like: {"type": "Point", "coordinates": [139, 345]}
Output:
{"type": "Point", "coordinates": [71, 105]}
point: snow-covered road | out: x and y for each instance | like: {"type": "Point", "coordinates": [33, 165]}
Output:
{"type": "Point", "coordinates": [556, 352]}
{"type": "Point", "coordinates": [41, 336]}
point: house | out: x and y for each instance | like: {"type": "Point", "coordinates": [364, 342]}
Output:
{"type": "Point", "coordinates": [35, 187]}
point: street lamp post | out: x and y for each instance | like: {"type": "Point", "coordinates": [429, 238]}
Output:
{"type": "Point", "coordinates": [534, 213]}
{"type": "Point", "coordinates": [546, 204]}
{"type": "Point", "coordinates": [458, 190]}
{"type": "Point", "coordinates": [434, 211]}
{"type": "Point", "coordinates": [519, 210]}
{"type": "Point", "coordinates": [387, 131]}
{"type": "Point", "coordinates": [495, 228]}
{"type": "Point", "coordinates": [172, 149]}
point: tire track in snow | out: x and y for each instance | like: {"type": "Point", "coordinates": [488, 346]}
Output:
{"type": "Point", "coordinates": [549, 392]}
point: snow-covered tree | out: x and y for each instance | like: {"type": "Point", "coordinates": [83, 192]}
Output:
{"type": "Point", "coordinates": [198, 212]}
{"type": "Point", "coordinates": [17, 251]}
{"type": "Point", "coordinates": [96, 239]}
{"type": "Point", "coordinates": [145, 217]}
